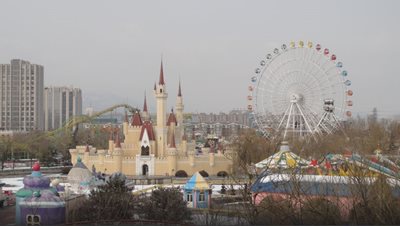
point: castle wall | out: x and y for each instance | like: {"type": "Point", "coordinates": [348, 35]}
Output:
{"type": "Point", "coordinates": [109, 164]}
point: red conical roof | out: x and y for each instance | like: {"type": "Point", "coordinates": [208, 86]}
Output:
{"type": "Point", "coordinates": [161, 81]}
{"type": "Point", "coordinates": [87, 148]}
{"type": "Point", "coordinates": [179, 91]}
{"type": "Point", "coordinates": [136, 119]}
{"type": "Point", "coordinates": [171, 118]}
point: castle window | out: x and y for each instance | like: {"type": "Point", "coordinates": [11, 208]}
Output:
{"type": "Point", "coordinates": [145, 150]}
{"type": "Point", "coordinates": [160, 90]}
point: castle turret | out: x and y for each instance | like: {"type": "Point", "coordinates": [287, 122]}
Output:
{"type": "Point", "coordinates": [117, 154]}
{"type": "Point", "coordinates": [179, 114]}
{"type": "Point", "coordinates": [211, 159]}
{"type": "Point", "coordinates": [125, 124]}
{"type": "Point", "coordinates": [132, 136]}
{"type": "Point", "coordinates": [191, 153]}
{"type": "Point", "coordinates": [172, 156]}
{"type": "Point", "coordinates": [111, 142]}
{"type": "Point", "coordinates": [183, 144]}
{"type": "Point", "coordinates": [86, 155]}
{"type": "Point", "coordinates": [161, 97]}
{"type": "Point", "coordinates": [145, 112]}
{"type": "Point", "coordinates": [101, 154]}
{"type": "Point", "coordinates": [171, 124]}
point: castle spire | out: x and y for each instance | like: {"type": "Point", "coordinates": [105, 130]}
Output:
{"type": "Point", "coordinates": [155, 86]}
{"type": "Point", "coordinates": [161, 81]}
{"type": "Point", "coordinates": [145, 103]}
{"type": "Point", "coordinates": [179, 90]}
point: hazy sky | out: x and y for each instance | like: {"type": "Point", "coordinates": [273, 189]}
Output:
{"type": "Point", "coordinates": [112, 49]}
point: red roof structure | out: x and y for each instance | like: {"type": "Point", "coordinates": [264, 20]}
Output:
{"type": "Point", "coordinates": [171, 118]}
{"type": "Point", "coordinates": [87, 148]}
{"type": "Point", "coordinates": [136, 119]}
{"type": "Point", "coordinates": [149, 128]}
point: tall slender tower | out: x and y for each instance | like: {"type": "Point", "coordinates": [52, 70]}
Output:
{"type": "Point", "coordinates": [179, 115]}
{"type": "Point", "coordinates": [161, 97]}
{"type": "Point", "coordinates": [145, 112]}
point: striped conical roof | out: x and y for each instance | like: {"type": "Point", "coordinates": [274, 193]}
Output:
{"type": "Point", "coordinates": [197, 182]}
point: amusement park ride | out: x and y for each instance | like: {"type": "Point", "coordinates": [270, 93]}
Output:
{"type": "Point", "coordinates": [299, 90]}
{"type": "Point", "coordinates": [73, 124]}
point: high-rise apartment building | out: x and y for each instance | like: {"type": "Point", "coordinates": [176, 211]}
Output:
{"type": "Point", "coordinates": [21, 96]}
{"type": "Point", "coordinates": [61, 104]}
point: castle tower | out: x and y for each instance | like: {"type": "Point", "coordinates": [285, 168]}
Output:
{"type": "Point", "coordinates": [171, 125]}
{"type": "Point", "coordinates": [134, 128]}
{"type": "Point", "coordinates": [117, 154]}
{"type": "Point", "coordinates": [86, 154]}
{"type": "Point", "coordinates": [125, 124]}
{"type": "Point", "coordinates": [161, 97]}
{"type": "Point", "coordinates": [179, 114]}
{"type": "Point", "coordinates": [145, 113]}
{"type": "Point", "coordinates": [172, 156]}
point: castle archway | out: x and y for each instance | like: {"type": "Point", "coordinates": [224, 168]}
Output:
{"type": "Point", "coordinates": [222, 174]}
{"type": "Point", "coordinates": [203, 173]}
{"type": "Point", "coordinates": [181, 173]}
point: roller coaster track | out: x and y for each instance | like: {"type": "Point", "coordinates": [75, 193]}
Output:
{"type": "Point", "coordinates": [75, 121]}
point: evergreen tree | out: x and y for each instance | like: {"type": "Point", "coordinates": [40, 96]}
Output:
{"type": "Point", "coordinates": [166, 204]}
{"type": "Point", "coordinates": [112, 201]}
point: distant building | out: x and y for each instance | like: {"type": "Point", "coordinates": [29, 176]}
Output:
{"type": "Point", "coordinates": [220, 125]}
{"type": "Point", "coordinates": [21, 96]}
{"type": "Point", "coordinates": [61, 104]}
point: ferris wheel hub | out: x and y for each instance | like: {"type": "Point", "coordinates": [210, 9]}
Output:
{"type": "Point", "coordinates": [295, 98]}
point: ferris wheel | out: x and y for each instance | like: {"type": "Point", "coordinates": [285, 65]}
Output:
{"type": "Point", "coordinates": [300, 90]}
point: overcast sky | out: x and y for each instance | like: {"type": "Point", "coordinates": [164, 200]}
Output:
{"type": "Point", "coordinates": [112, 49]}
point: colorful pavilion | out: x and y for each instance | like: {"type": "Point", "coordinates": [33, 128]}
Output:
{"type": "Point", "coordinates": [37, 203]}
{"type": "Point", "coordinates": [197, 192]}
{"type": "Point", "coordinates": [283, 159]}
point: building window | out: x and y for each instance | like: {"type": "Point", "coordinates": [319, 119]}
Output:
{"type": "Point", "coordinates": [202, 197]}
{"type": "Point", "coordinates": [189, 197]}
{"type": "Point", "coordinates": [32, 219]}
